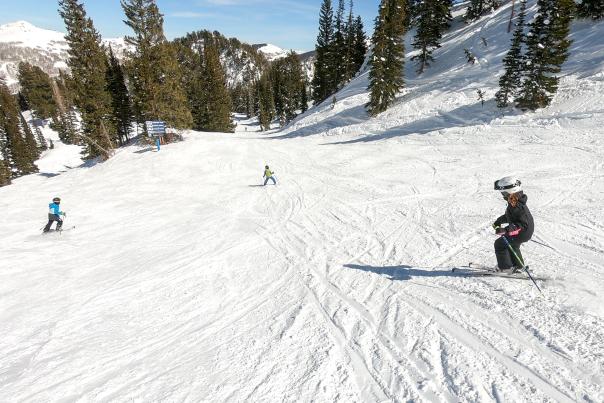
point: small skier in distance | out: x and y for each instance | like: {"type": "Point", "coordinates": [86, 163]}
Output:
{"type": "Point", "coordinates": [268, 175]}
{"type": "Point", "coordinates": [55, 214]}
{"type": "Point", "coordinates": [520, 224]}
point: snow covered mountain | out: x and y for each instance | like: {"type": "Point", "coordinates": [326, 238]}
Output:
{"type": "Point", "coordinates": [22, 41]}
{"type": "Point", "coordinates": [271, 52]}
{"type": "Point", "coordinates": [336, 284]}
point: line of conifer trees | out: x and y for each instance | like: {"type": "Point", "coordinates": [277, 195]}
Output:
{"type": "Point", "coordinates": [536, 57]}
{"type": "Point", "coordinates": [340, 49]}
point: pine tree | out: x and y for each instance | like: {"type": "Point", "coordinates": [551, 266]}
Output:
{"type": "Point", "coordinates": [32, 147]}
{"type": "Point", "coordinates": [547, 50]}
{"type": "Point", "coordinates": [593, 9]}
{"type": "Point", "coordinates": [36, 90]}
{"type": "Point", "coordinates": [349, 39]}
{"type": "Point", "coordinates": [478, 8]}
{"type": "Point", "coordinates": [120, 99]}
{"type": "Point", "coordinates": [266, 103]}
{"type": "Point", "coordinates": [19, 150]}
{"type": "Point", "coordinates": [288, 86]}
{"type": "Point", "coordinates": [87, 63]}
{"type": "Point", "coordinates": [427, 35]}
{"type": "Point", "coordinates": [154, 73]}
{"type": "Point", "coordinates": [214, 112]}
{"type": "Point", "coordinates": [387, 62]}
{"type": "Point", "coordinates": [360, 44]}
{"type": "Point", "coordinates": [66, 122]}
{"type": "Point", "coordinates": [339, 48]}
{"type": "Point", "coordinates": [5, 172]}
{"type": "Point", "coordinates": [511, 80]}
{"type": "Point", "coordinates": [322, 84]}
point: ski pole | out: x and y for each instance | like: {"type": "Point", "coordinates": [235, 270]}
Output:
{"type": "Point", "coordinates": [542, 244]}
{"type": "Point", "coordinates": [509, 245]}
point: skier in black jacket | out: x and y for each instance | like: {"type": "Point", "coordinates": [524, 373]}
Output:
{"type": "Point", "coordinates": [520, 224]}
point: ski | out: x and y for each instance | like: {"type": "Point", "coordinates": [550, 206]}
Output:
{"type": "Point", "coordinates": [59, 231]}
{"type": "Point", "coordinates": [478, 270]}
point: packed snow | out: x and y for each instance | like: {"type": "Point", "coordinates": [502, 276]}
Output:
{"type": "Point", "coordinates": [185, 280]}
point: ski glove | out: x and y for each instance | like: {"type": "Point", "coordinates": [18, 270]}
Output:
{"type": "Point", "coordinates": [513, 230]}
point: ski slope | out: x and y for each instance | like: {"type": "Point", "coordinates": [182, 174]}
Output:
{"type": "Point", "coordinates": [184, 280]}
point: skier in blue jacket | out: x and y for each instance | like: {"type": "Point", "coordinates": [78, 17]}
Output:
{"type": "Point", "coordinates": [55, 214]}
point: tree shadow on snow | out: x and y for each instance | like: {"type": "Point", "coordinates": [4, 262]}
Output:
{"type": "Point", "coordinates": [402, 273]}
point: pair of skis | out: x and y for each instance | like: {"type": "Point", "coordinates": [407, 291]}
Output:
{"type": "Point", "coordinates": [478, 270]}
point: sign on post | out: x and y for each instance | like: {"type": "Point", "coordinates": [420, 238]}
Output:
{"type": "Point", "coordinates": [156, 128]}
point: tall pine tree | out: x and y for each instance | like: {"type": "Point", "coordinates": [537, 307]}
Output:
{"type": "Point", "coordinates": [339, 48]}
{"type": "Point", "coordinates": [120, 99]}
{"type": "Point", "coordinates": [427, 36]}
{"type": "Point", "coordinates": [87, 63]}
{"type": "Point", "coordinates": [214, 112]}
{"type": "Point", "coordinates": [548, 46]}
{"type": "Point", "coordinates": [387, 62]}
{"type": "Point", "coordinates": [478, 8]}
{"type": "Point", "coordinates": [37, 91]}
{"type": "Point", "coordinates": [360, 44]}
{"type": "Point", "coordinates": [514, 62]}
{"type": "Point", "coordinates": [593, 9]}
{"type": "Point", "coordinates": [266, 103]}
{"type": "Point", "coordinates": [154, 72]}
{"type": "Point", "coordinates": [288, 87]}
{"type": "Point", "coordinates": [66, 122]}
{"type": "Point", "coordinates": [322, 84]}
{"type": "Point", "coordinates": [18, 145]}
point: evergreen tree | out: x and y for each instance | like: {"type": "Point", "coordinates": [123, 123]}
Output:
{"type": "Point", "coordinates": [511, 80]}
{"type": "Point", "coordinates": [478, 8]}
{"type": "Point", "coordinates": [288, 86]}
{"type": "Point", "coordinates": [593, 9]}
{"type": "Point", "coordinates": [214, 111]}
{"type": "Point", "coordinates": [322, 84]}
{"type": "Point", "coordinates": [5, 172]}
{"type": "Point", "coordinates": [266, 104]}
{"type": "Point", "coordinates": [427, 37]}
{"type": "Point", "coordinates": [33, 150]}
{"type": "Point", "coordinates": [360, 44]}
{"type": "Point", "coordinates": [87, 63]}
{"type": "Point", "coordinates": [36, 90]}
{"type": "Point", "coordinates": [66, 122]}
{"type": "Point", "coordinates": [547, 50]}
{"type": "Point", "coordinates": [339, 48]}
{"type": "Point", "coordinates": [155, 76]}
{"type": "Point", "coordinates": [387, 62]}
{"type": "Point", "coordinates": [120, 99]}
{"type": "Point", "coordinates": [19, 150]}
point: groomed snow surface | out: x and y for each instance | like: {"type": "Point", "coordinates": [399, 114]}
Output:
{"type": "Point", "coordinates": [184, 280]}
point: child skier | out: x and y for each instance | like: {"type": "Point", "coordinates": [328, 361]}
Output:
{"type": "Point", "coordinates": [54, 214]}
{"type": "Point", "coordinates": [520, 224]}
{"type": "Point", "coordinates": [268, 175]}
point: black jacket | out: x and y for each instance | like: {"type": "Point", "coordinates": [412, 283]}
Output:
{"type": "Point", "coordinates": [521, 217]}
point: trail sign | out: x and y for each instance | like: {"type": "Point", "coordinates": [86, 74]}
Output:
{"type": "Point", "coordinates": [155, 128]}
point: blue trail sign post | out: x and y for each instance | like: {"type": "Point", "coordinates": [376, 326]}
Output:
{"type": "Point", "coordinates": [156, 129]}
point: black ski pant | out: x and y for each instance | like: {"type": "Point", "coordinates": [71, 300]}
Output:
{"type": "Point", "coordinates": [52, 218]}
{"type": "Point", "coordinates": [505, 257]}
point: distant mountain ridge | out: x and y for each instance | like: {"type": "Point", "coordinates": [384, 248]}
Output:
{"type": "Point", "coordinates": [22, 41]}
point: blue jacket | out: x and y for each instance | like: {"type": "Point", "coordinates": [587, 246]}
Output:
{"type": "Point", "coordinates": [54, 208]}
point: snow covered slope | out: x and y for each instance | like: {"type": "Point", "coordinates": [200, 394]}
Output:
{"type": "Point", "coordinates": [184, 280]}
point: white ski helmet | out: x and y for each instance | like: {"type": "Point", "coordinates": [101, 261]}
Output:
{"type": "Point", "coordinates": [508, 185]}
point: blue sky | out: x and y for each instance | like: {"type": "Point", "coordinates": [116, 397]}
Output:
{"type": "Point", "coordinates": [290, 24]}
